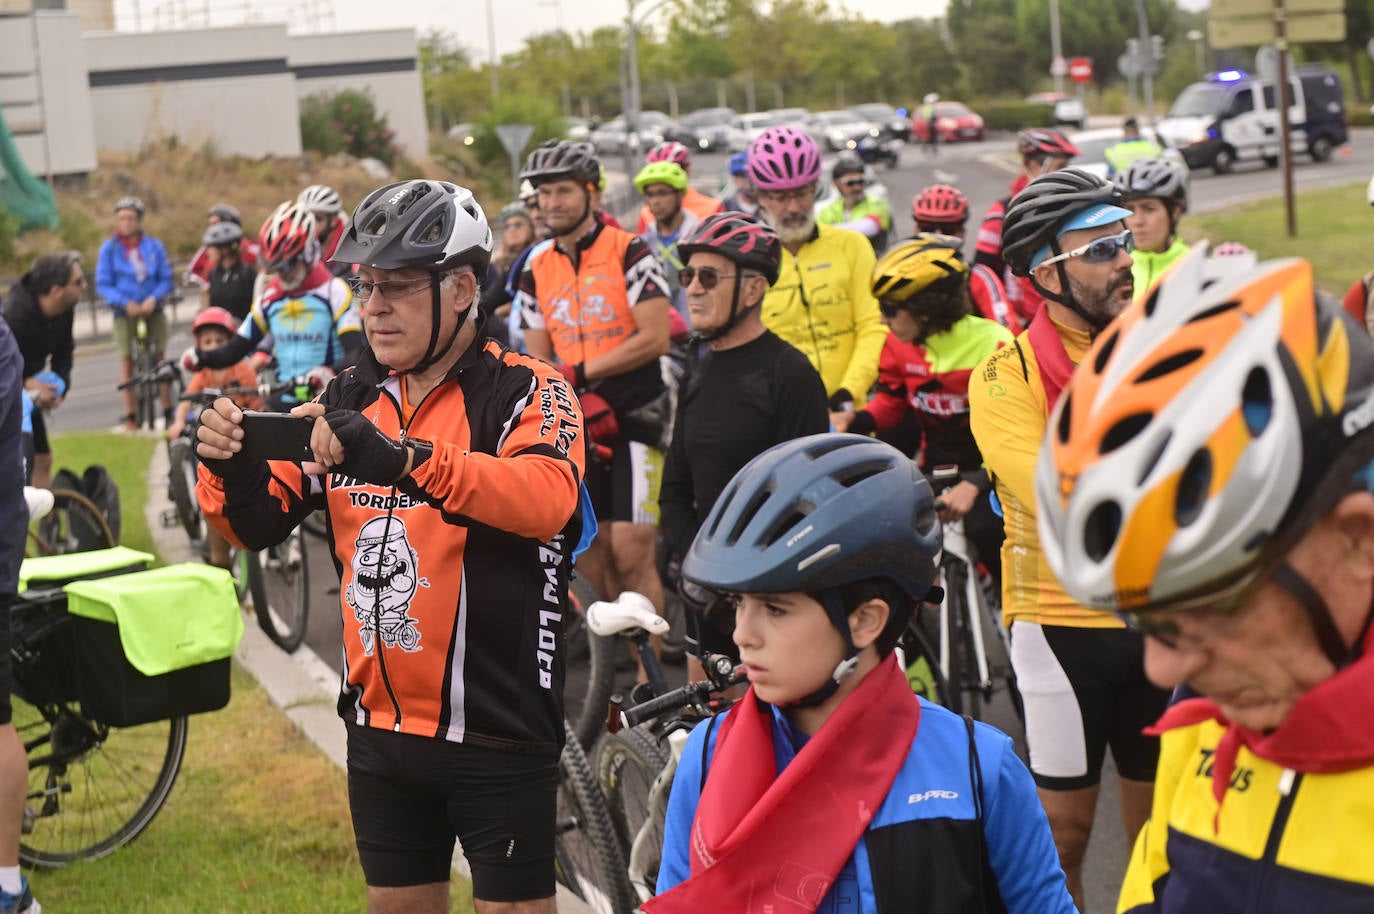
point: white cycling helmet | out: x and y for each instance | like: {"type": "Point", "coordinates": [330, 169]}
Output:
{"type": "Point", "coordinates": [1369, 192]}
{"type": "Point", "coordinates": [321, 198]}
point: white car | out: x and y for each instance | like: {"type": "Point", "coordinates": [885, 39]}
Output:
{"type": "Point", "coordinates": [836, 130]}
{"type": "Point", "coordinates": [747, 127]}
{"type": "Point", "coordinates": [1068, 109]}
{"type": "Point", "coordinates": [1093, 145]}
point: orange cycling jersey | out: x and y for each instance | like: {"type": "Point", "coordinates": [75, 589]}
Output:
{"type": "Point", "coordinates": [453, 581]}
{"type": "Point", "coordinates": [585, 300]}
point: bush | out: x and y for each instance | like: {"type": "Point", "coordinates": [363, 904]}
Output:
{"type": "Point", "coordinates": [515, 109]}
{"type": "Point", "coordinates": [1016, 115]}
{"type": "Point", "coordinates": [346, 122]}
{"type": "Point", "coordinates": [1357, 115]}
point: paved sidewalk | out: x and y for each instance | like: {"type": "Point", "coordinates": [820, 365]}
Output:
{"type": "Point", "coordinates": [301, 684]}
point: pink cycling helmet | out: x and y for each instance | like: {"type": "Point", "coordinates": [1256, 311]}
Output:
{"type": "Point", "coordinates": [784, 158]}
{"type": "Point", "coordinates": [671, 151]}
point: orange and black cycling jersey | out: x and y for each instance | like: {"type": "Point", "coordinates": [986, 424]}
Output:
{"type": "Point", "coordinates": [585, 299]}
{"type": "Point", "coordinates": [454, 581]}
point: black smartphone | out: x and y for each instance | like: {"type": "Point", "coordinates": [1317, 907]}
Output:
{"type": "Point", "coordinates": [277, 436]}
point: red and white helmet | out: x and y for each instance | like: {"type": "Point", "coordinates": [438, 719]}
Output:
{"type": "Point", "coordinates": [288, 234]}
{"type": "Point", "coordinates": [215, 317]}
{"type": "Point", "coordinates": [671, 151]}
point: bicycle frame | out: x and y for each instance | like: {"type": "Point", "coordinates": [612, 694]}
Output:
{"type": "Point", "coordinates": [956, 550]}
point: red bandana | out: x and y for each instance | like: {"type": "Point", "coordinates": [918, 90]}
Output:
{"type": "Point", "coordinates": [1055, 365]}
{"type": "Point", "coordinates": [1329, 730]}
{"type": "Point", "coordinates": [766, 842]}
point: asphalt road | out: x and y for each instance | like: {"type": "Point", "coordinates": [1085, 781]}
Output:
{"type": "Point", "coordinates": [983, 171]}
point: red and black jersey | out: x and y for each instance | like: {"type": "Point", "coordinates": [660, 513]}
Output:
{"type": "Point", "coordinates": [453, 582]}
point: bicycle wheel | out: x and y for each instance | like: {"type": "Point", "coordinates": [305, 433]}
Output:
{"type": "Point", "coordinates": [965, 689]}
{"type": "Point", "coordinates": [181, 486]}
{"type": "Point", "coordinates": [590, 680]}
{"type": "Point", "coordinates": [923, 663]}
{"type": "Point", "coordinates": [586, 854]}
{"type": "Point", "coordinates": [282, 603]}
{"type": "Point", "coordinates": [92, 789]}
{"type": "Point", "coordinates": [630, 762]}
{"type": "Point", "coordinates": [74, 524]}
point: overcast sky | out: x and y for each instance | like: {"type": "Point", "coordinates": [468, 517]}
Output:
{"type": "Point", "coordinates": [515, 19]}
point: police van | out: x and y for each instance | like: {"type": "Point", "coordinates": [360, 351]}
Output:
{"type": "Point", "coordinates": [1232, 117]}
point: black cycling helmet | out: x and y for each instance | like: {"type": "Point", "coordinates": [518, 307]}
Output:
{"type": "Point", "coordinates": [1154, 178]}
{"type": "Point", "coordinates": [132, 203]}
{"type": "Point", "coordinates": [226, 213]}
{"type": "Point", "coordinates": [1036, 215]}
{"type": "Point", "coordinates": [222, 234]}
{"type": "Point", "coordinates": [434, 225]}
{"type": "Point", "coordinates": [558, 160]}
{"type": "Point", "coordinates": [846, 163]}
{"type": "Point", "coordinates": [815, 514]}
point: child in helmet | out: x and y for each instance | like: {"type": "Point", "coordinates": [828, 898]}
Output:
{"type": "Point", "coordinates": [830, 785]}
{"type": "Point", "coordinates": [211, 329]}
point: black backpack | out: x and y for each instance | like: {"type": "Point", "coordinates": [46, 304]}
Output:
{"type": "Point", "coordinates": [97, 485]}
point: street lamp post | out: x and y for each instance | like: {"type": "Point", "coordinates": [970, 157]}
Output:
{"type": "Point", "coordinates": [1147, 80]}
{"type": "Point", "coordinates": [631, 113]}
{"type": "Point", "coordinates": [1195, 36]}
{"type": "Point", "coordinates": [491, 52]}
{"type": "Point", "coordinates": [1056, 47]}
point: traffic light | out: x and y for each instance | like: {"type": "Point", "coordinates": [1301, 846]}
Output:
{"type": "Point", "coordinates": [1133, 47]}
{"type": "Point", "coordinates": [1157, 47]}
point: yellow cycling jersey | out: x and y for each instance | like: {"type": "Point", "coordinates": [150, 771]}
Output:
{"type": "Point", "coordinates": [1008, 409]}
{"type": "Point", "coordinates": [823, 304]}
{"type": "Point", "coordinates": [1281, 842]}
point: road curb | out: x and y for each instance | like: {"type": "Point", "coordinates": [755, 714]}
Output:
{"type": "Point", "coordinates": [302, 685]}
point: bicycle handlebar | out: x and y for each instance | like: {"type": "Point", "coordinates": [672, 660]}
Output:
{"type": "Point", "coordinates": [690, 695]}
{"type": "Point", "coordinates": [159, 373]}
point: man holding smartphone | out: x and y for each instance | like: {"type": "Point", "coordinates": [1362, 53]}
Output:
{"type": "Point", "coordinates": [451, 471]}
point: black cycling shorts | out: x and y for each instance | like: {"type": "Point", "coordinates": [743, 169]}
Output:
{"type": "Point", "coordinates": [411, 796]}
{"type": "Point", "coordinates": [1084, 689]}
{"type": "Point", "coordinates": [625, 487]}
{"type": "Point", "coordinates": [40, 433]}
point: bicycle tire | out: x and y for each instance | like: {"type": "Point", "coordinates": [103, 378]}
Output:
{"type": "Point", "coordinates": [587, 709]}
{"type": "Point", "coordinates": [921, 654]}
{"type": "Point", "coordinates": [965, 695]}
{"type": "Point", "coordinates": [74, 524]}
{"type": "Point", "coordinates": [181, 486]}
{"type": "Point", "coordinates": [627, 764]}
{"type": "Point", "coordinates": [587, 856]}
{"type": "Point", "coordinates": [92, 788]}
{"type": "Point", "coordinates": [284, 607]}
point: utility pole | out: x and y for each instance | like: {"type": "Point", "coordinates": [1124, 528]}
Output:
{"type": "Point", "coordinates": [1147, 80]}
{"type": "Point", "coordinates": [491, 51]}
{"type": "Point", "coordinates": [1056, 47]}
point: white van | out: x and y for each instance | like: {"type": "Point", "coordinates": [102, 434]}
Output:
{"type": "Point", "coordinates": [1231, 117]}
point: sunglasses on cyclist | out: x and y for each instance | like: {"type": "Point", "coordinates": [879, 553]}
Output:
{"type": "Point", "coordinates": [280, 266]}
{"type": "Point", "coordinates": [854, 183]}
{"type": "Point", "coordinates": [710, 277]}
{"type": "Point", "coordinates": [889, 309]}
{"type": "Point", "coordinates": [1099, 250]}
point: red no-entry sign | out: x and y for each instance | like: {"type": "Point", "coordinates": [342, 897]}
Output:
{"type": "Point", "coordinates": [1080, 69]}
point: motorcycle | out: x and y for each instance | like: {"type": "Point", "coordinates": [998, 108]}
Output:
{"type": "Point", "coordinates": [873, 150]}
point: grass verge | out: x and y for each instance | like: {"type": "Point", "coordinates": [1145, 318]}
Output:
{"type": "Point", "coordinates": [1333, 232]}
{"type": "Point", "coordinates": [258, 819]}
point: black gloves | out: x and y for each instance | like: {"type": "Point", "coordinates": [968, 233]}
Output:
{"type": "Point", "coordinates": [369, 454]}
{"type": "Point", "coordinates": [841, 400]}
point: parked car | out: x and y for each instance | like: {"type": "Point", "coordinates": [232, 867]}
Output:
{"type": "Point", "coordinates": [954, 122]}
{"type": "Point", "coordinates": [1068, 109]}
{"type": "Point", "coordinates": [578, 129]}
{"type": "Point", "coordinates": [842, 129]}
{"type": "Point", "coordinates": [705, 128]}
{"type": "Point", "coordinates": [463, 133]}
{"type": "Point", "coordinates": [789, 115]}
{"type": "Point", "coordinates": [746, 127]}
{"type": "Point", "coordinates": [1093, 145]}
{"type": "Point", "coordinates": [612, 137]}
{"type": "Point", "coordinates": [892, 121]}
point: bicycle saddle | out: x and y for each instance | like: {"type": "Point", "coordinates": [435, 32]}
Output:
{"type": "Point", "coordinates": [628, 611]}
{"type": "Point", "coordinates": [40, 502]}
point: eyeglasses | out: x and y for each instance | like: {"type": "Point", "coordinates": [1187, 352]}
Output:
{"type": "Point", "coordinates": [791, 196]}
{"type": "Point", "coordinates": [1224, 606]}
{"type": "Point", "coordinates": [856, 182]}
{"type": "Point", "coordinates": [710, 277]}
{"type": "Point", "coordinates": [392, 290]}
{"type": "Point", "coordinates": [1099, 250]}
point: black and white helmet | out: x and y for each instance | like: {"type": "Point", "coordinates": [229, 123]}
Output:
{"type": "Point", "coordinates": [1154, 178]}
{"type": "Point", "coordinates": [132, 203]}
{"type": "Point", "coordinates": [434, 225]}
{"type": "Point", "coordinates": [321, 198]}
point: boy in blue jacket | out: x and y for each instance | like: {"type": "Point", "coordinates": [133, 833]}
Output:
{"type": "Point", "coordinates": [134, 276]}
{"type": "Point", "coordinates": [830, 786]}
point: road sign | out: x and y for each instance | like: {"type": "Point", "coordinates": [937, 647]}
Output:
{"type": "Point", "coordinates": [1128, 66]}
{"type": "Point", "coordinates": [1267, 63]}
{"type": "Point", "coordinates": [1058, 67]}
{"type": "Point", "coordinates": [1249, 33]}
{"type": "Point", "coordinates": [1081, 69]}
{"type": "Point", "coordinates": [1230, 9]}
{"type": "Point", "coordinates": [515, 137]}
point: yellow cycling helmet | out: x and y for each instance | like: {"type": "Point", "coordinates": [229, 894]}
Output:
{"type": "Point", "coordinates": [669, 173]}
{"type": "Point", "coordinates": [924, 262]}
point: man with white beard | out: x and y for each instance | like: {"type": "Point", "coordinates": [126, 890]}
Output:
{"type": "Point", "coordinates": [822, 302]}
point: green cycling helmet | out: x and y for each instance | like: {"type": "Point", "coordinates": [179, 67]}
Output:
{"type": "Point", "coordinates": [669, 173]}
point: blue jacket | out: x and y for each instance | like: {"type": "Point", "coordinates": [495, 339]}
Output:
{"type": "Point", "coordinates": [115, 280]}
{"type": "Point", "coordinates": [14, 513]}
{"type": "Point", "coordinates": [922, 851]}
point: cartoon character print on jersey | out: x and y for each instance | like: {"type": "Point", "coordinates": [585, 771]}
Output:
{"type": "Point", "coordinates": [385, 578]}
